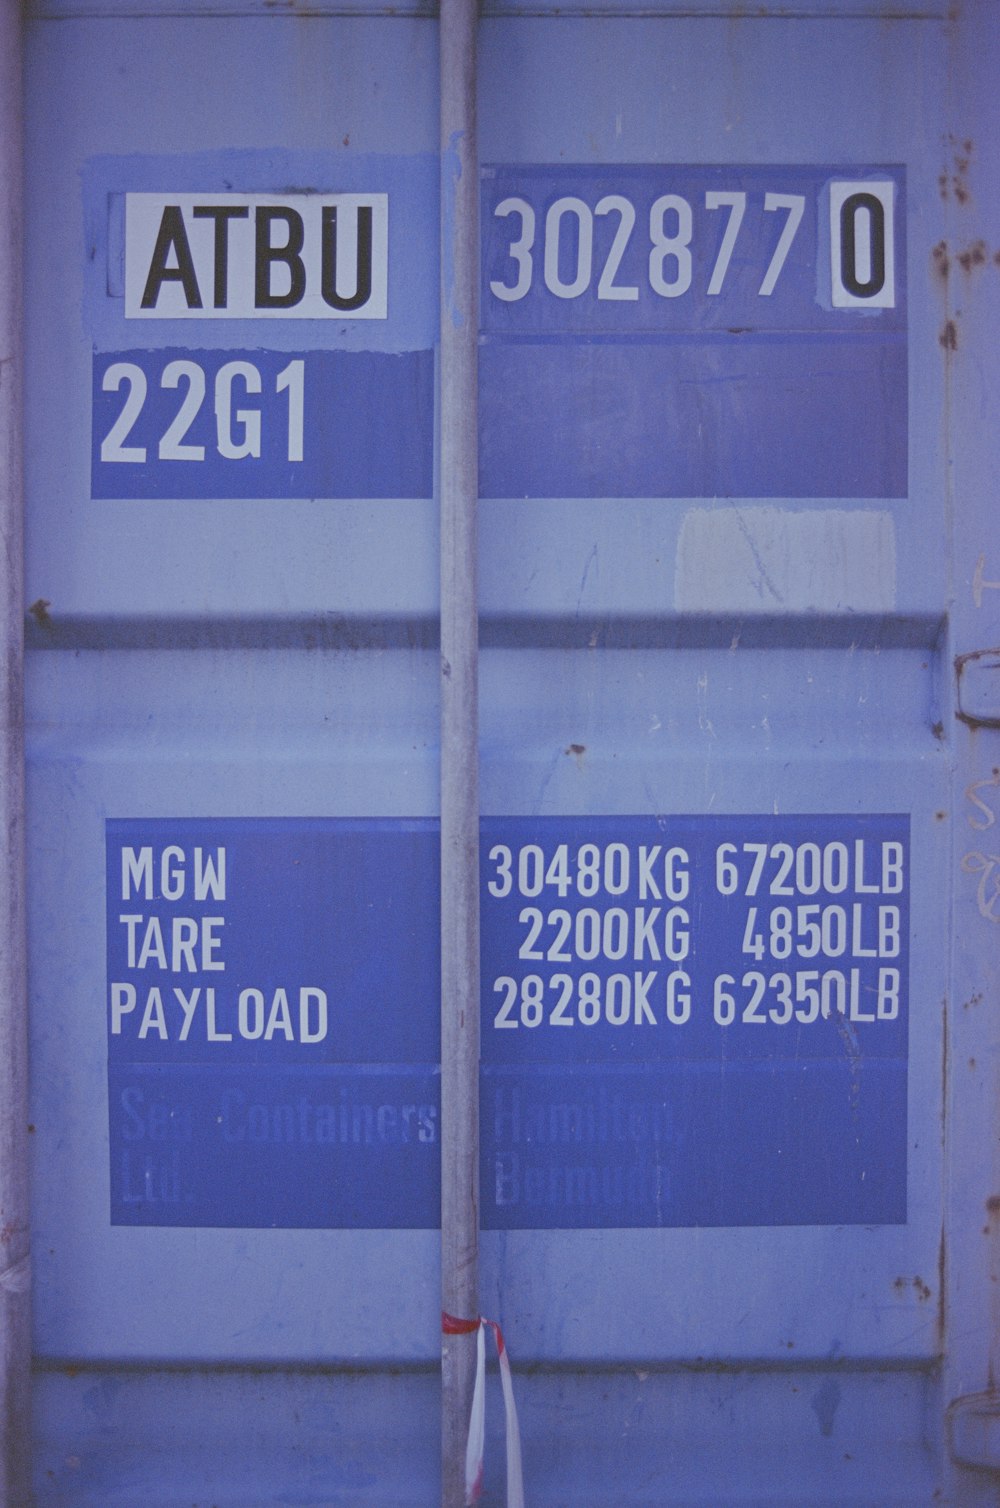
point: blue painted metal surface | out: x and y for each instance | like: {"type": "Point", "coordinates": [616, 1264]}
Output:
{"type": "Point", "coordinates": [697, 329]}
{"type": "Point", "coordinates": [749, 644]}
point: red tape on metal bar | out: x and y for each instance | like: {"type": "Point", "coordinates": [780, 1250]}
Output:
{"type": "Point", "coordinates": [477, 1419]}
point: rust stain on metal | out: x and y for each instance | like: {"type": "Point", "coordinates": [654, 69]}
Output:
{"type": "Point", "coordinates": [957, 180]}
{"type": "Point", "coordinates": [577, 750]}
{"type": "Point", "coordinates": [948, 339]}
{"type": "Point", "coordinates": [973, 256]}
{"type": "Point", "coordinates": [944, 1068]}
{"type": "Point", "coordinates": [39, 610]}
{"type": "Point", "coordinates": [918, 1285]}
{"type": "Point", "coordinates": [982, 661]}
{"type": "Point", "coordinates": [941, 260]}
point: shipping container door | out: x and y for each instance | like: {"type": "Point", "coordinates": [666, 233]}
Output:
{"type": "Point", "coordinates": [713, 505]}
{"type": "Point", "coordinates": [738, 617]}
{"type": "Point", "coordinates": [232, 285]}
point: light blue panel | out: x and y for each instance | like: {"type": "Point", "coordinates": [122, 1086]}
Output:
{"type": "Point", "coordinates": [969, 303]}
{"type": "Point", "coordinates": [729, 9]}
{"type": "Point", "coordinates": [321, 100]}
{"type": "Point", "coordinates": [320, 1440]}
{"type": "Point", "coordinates": [637, 342]}
{"type": "Point", "coordinates": [114, 1438]}
{"type": "Point", "coordinates": [730, 730]}
{"type": "Point", "coordinates": [851, 91]}
{"type": "Point", "coordinates": [652, 657]}
{"type": "Point", "coordinates": [767, 655]}
{"type": "Point", "coordinates": [227, 733]}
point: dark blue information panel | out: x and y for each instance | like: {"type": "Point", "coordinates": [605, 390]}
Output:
{"type": "Point", "coordinates": [694, 1021]}
{"type": "Point", "coordinates": [686, 1021]}
{"type": "Point", "coordinates": [674, 331]}
{"type": "Point", "coordinates": [181, 423]}
{"type": "Point", "coordinates": [273, 1035]}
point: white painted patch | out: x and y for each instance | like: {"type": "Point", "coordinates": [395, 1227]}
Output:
{"type": "Point", "coordinates": [770, 560]}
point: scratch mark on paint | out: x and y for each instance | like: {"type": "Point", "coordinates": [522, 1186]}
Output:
{"type": "Point", "coordinates": [765, 579]}
{"type": "Point", "coordinates": [852, 1046]}
{"type": "Point", "coordinates": [971, 794]}
{"type": "Point", "coordinates": [704, 721]}
{"type": "Point", "coordinates": [987, 866]}
{"type": "Point", "coordinates": [547, 778]}
{"type": "Point", "coordinates": [825, 1402]}
{"type": "Point", "coordinates": [591, 561]}
{"type": "Point", "coordinates": [979, 582]}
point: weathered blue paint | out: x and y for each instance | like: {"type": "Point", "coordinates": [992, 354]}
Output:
{"type": "Point", "coordinates": [670, 331]}
{"type": "Point", "coordinates": [761, 656]}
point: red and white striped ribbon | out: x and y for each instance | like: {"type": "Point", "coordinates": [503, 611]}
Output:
{"type": "Point", "coordinates": [477, 1420]}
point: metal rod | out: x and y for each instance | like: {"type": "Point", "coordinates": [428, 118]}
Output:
{"type": "Point", "coordinates": [458, 470]}
{"type": "Point", "coordinates": [15, 1295]}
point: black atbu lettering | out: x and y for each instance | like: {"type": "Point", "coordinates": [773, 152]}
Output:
{"type": "Point", "coordinates": [171, 237]}
{"type": "Point", "coordinates": [363, 282]}
{"type": "Point", "coordinates": [221, 214]}
{"type": "Point", "coordinates": [265, 255]}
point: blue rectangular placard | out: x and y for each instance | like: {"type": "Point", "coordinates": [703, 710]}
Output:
{"type": "Point", "coordinates": [686, 1021]}
{"type": "Point", "coordinates": [677, 331]}
{"type": "Point", "coordinates": [694, 1020]}
{"type": "Point", "coordinates": [273, 1022]}
{"type": "Point", "coordinates": [189, 423]}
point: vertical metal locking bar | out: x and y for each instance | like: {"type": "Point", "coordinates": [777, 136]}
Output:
{"type": "Point", "coordinates": [15, 1297]}
{"type": "Point", "coordinates": [458, 462]}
